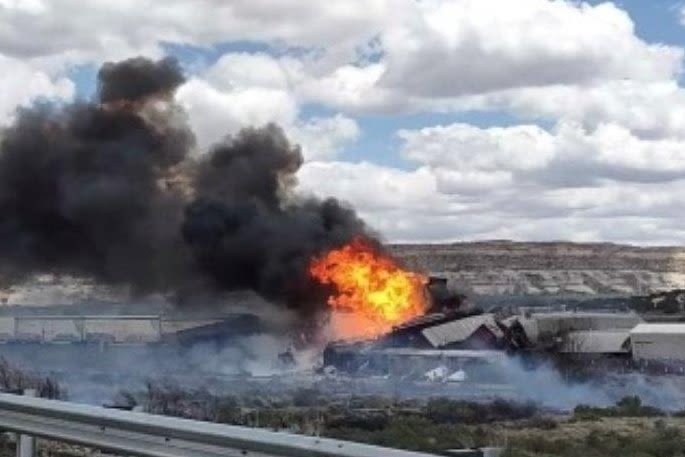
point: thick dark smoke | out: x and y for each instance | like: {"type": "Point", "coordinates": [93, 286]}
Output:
{"type": "Point", "coordinates": [109, 190]}
{"type": "Point", "coordinates": [245, 228]}
{"type": "Point", "coordinates": [138, 78]}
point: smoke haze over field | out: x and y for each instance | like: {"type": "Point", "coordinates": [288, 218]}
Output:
{"type": "Point", "coordinates": [110, 190]}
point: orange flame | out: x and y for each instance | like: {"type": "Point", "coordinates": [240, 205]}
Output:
{"type": "Point", "coordinates": [373, 292]}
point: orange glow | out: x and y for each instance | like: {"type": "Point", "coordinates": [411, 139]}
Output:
{"type": "Point", "coordinates": [372, 291]}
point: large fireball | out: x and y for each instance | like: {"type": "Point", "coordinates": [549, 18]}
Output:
{"type": "Point", "coordinates": [371, 290]}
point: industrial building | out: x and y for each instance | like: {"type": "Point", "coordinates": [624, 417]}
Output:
{"type": "Point", "coordinates": [658, 342]}
{"type": "Point", "coordinates": [544, 327]}
{"type": "Point", "coordinates": [123, 329]}
{"type": "Point", "coordinates": [603, 342]}
{"type": "Point", "coordinates": [455, 340]}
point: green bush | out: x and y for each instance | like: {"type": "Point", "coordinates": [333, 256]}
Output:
{"type": "Point", "coordinates": [630, 406]}
{"type": "Point", "coordinates": [447, 411]}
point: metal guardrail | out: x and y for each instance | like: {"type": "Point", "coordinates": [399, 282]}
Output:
{"type": "Point", "coordinates": [147, 435]}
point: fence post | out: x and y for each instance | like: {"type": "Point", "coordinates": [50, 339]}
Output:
{"type": "Point", "coordinates": [26, 444]}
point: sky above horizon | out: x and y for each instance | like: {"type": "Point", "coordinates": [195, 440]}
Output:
{"type": "Point", "coordinates": [437, 120]}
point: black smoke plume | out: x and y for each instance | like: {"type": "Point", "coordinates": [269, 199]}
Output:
{"type": "Point", "coordinates": [109, 190]}
{"type": "Point", "coordinates": [138, 78]}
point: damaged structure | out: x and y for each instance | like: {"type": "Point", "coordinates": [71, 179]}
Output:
{"type": "Point", "coordinates": [455, 341]}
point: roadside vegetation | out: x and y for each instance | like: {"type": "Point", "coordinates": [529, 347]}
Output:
{"type": "Point", "coordinates": [627, 429]}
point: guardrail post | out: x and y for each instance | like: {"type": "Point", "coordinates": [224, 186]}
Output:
{"type": "Point", "coordinates": [26, 444]}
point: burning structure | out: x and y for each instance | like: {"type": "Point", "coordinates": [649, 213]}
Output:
{"type": "Point", "coordinates": [369, 288]}
{"type": "Point", "coordinates": [456, 338]}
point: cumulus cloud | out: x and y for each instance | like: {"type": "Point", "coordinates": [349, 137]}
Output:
{"type": "Point", "coordinates": [520, 182]}
{"type": "Point", "coordinates": [324, 137]}
{"type": "Point", "coordinates": [242, 90]}
{"type": "Point", "coordinates": [21, 85]}
{"type": "Point", "coordinates": [473, 46]}
{"type": "Point", "coordinates": [80, 31]}
{"type": "Point", "coordinates": [466, 147]}
{"type": "Point", "coordinates": [373, 187]}
{"type": "Point", "coordinates": [214, 113]}
{"type": "Point", "coordinates": [411, 206]}
{"type": "Point", "coordinates": [567, 156]}
{"type": "Point", "coordinates": [375, 55]}
{"type": "Point", "coordinates": [650, 109]}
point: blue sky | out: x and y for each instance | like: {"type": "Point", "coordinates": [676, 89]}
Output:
{"type": "Point", "coordinates": [437, 120]}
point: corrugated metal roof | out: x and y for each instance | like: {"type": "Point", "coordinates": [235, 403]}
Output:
{"type": "Point", "coordinates": [439, 353]}
{"type": "Point", "coordinates": [459, 330]}
{"type": "Point", "coordinates": [659, 328]}
{"type": "Point", "coordinates": [426, 319]}
{"type": "Point", "coordinates": [597, 342]}
{"type": "Point", "coordinates": [598, 320]}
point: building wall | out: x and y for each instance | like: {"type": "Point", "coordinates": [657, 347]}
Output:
{"type": "Point", "coordinates": [60, 329]}
{"type": "Point", "coordinates": [658, 346]}
{"type": "Point", "coordinates": [544, 325]}
{"type": "Point", "coordinates": [122, 331]}
{"type": "Point", "coordinates": [6, 328]}
{"type": "Point", "coordinates": [33, 329]}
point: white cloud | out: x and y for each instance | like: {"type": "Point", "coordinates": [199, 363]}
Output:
{"type": "Point", "coordinates": [214, 113]}
{"type": "Point", "coordinates": [518, 182]}
{"type": "Point", "coordinates": [410, 206]}
{"type": "Point", "coordinates": [78, 31]}
{"type": "Point", "coordinates": [243, 90]}
{"type": "Point", "coordinates": [456, 47]}
{"type": "Point", "coordinates": [324, 137]}
{"type": "Point", "coordinates": [467, 147]}
{"type": "Point", "coordinates": [371, 187]}
{"type": "Point", "coordinates": [20, 85]}
{"type": "Point", "coordinates": [376, 54]}
{"type": "Point", "coordinates": [651, 109]}
{"type": "Point", "coordinates": [245, 70]}
{"type": "Point", "coordinates": [570, 155]}
{"type": "Point", "coordinates": [354, 88]}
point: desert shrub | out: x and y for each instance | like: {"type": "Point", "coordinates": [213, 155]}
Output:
{"type": "Point", "coordinates": [361, 421]}
{"type": "Point", "coordinates": [306, 397]}
{"type": "Point", "coordinates": [542, 423]}
{"type": "Point", "coordinates": [445, 410]}
{"type": "Point", "coordinates": [630, 406]}
{"type": "Point", "coordinates": [13, 379]}
{"type": "Point", "coordinates": [370, 401]}
{"type": "Point", "coordinates": [171, 400]}
{"type": "Point", "coordinates": [413, 433]}
{"type": "Point", "coordinates": [228, 411]}
{"type": "Point", "coordinates": [661, 441]}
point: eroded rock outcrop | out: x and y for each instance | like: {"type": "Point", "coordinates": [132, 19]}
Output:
{"type": "Point", "coordinates": [514, 268]}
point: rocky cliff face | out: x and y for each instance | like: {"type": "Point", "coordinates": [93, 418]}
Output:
{"type": "Point", "coordinates": [512, 268]}
{"type": "Point", "coordinates": [477, 268]}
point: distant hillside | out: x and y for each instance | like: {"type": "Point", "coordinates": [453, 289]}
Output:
{"type": "Point", "coordinates": [477, 269]}
{"type": "Point", "coordinates": [547, 268]}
